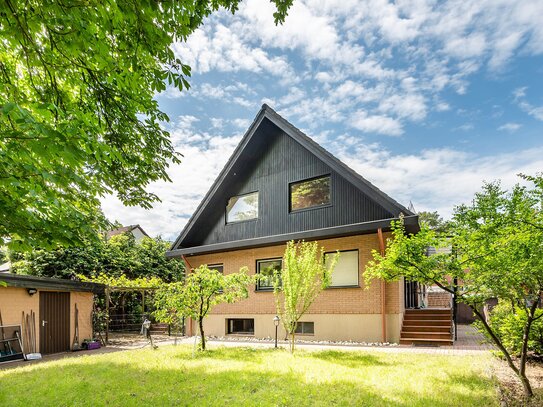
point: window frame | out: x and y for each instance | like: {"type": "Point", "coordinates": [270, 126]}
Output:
{"type": "Point", "coordinates": [257, 271]}
{"type": "Point", "coordinates": [357, 285]}
{"type": "Point", "coordinates": [242, 220]}
{"type": "Point", "coordinates": [306, 333]}
{"type": "Point", "coordinates": [215, 265]}
{"type": "Point", "coordinates": [313, 207]}
{"type": "Point", "coordinates": [227, 321]}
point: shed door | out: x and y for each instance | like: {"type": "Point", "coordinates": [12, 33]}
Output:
{"type": "Point", "coordinates": [54, 322]}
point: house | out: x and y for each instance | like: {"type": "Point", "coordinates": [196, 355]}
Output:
{"type": "Point", "coordinates": [136, 230]}
{"type": "Point", "coordinates": [280, 185]}
{"type": "Point", "coordinates": [53, 302]}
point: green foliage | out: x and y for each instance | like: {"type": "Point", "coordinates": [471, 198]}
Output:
{"type": "Point", "coordinates": [78, 117]}
{"type": "Point", "coordinates": [118, 256]}
{"type": "Point", "coordinates": [508, 322]}
{"type": "Point", "coordinates": [494, 250]}
{"type": "Point", "coordinates": [434, 221]}
{"type": "Point", "coordinates": [123, 281]}
{"type": "Point", "coordinates": [303, 276]}
{"type": "Point", "coordinates": [195, 297]}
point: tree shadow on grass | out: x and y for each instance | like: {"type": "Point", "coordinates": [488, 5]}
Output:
{"type": "Point", "coordinates": [348, 359]}
{"type": "Point", "coordinates": [102, 382]}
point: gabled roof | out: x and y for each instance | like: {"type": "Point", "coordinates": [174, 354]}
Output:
{"type": "Point", "coordinates": [125, 229]}
{"type": "Point", "coordinates": [350, 175]}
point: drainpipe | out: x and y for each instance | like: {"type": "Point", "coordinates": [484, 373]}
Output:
{"type": "Point", "coordinates": [383, 288]}
{"type": "Point", "coordinates": [188, 268]}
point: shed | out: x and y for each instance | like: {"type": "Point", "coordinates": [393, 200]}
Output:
{"type": "Point", "coordinates": [53, 302]}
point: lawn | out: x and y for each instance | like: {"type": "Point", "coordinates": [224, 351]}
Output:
{"type": "Point", "coordinates": [235, 376]}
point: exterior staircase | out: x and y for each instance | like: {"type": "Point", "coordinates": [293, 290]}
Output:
{"type": "Point", "coordinates": [427, 326]}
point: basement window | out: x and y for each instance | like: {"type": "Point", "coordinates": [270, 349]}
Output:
{"type": "Point", "coordinates": [305, 328]}
{"type": "Point", "coordinates": [345, 273]}
{"type": "Point", "coordinates": [242, 207]}
{"type": "Point", "coordinates": [240, 326]}
{"type": "Point", "coordinates": [310, 193]}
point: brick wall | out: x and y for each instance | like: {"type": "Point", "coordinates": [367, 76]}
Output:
{"type": "Point", "coordinates": [439, 299]}
{"type": "Point", "coordinates": [331, 301]}
{"type": "Point", "coordinates": [15, 300]}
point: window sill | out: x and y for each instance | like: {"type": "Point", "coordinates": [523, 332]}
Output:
{"type": "Point", "coordinates": [311, 208]}
{"type": "Point", "coordinates": [241, 334]}
{"type": "Point", "coordinates": [235, 222]}
{"type": "Point", "coordinates": [343, 286]}
{"type": "Point", "coordinates": [264, 290]}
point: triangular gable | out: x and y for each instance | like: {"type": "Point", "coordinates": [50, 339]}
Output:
{"type": "Point", "coordinates": [369, 190]}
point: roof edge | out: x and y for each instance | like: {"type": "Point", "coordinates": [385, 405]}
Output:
{"type": "Point", "coordinates": [411, 223]}
{"type": "Point", "coordinates": [25, 281]}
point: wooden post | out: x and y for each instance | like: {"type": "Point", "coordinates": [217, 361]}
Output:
{"type": "Point", "coordinates": [188, 321]}
{"type": "Point", "coordinates": [107, 314]}
{"type": "Point", "coordinates": [143, 301]}
{"type": "Point", "coordinates": [383, 288]}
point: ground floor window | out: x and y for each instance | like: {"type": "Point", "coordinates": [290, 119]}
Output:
{"type": "Point", "coordinates": [240, 326]}
{"type": "Point", "coordinates": [307, 328]}
{"type": "Point", "coordinates": [345, 273]}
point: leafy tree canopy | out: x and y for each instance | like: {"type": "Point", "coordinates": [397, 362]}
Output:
{"type": "Point", "coordinates": [115, 257]}
{"type": "Point", "coordinates": [77, 114]}
{"type": "Point", "coordinates": [202, 289]}
{"type": "Point", "coordinates": [433, 220]}
{"type": "Point", "coordinates": [494, 250]}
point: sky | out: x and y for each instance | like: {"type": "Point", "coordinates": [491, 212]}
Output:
{"type": "Point", "coordinates": [425, 99]}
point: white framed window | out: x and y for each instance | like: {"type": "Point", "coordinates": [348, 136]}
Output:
{"type": "Point", "coordinates": [242, 207]}
{"type": "Point", "coordinates": [345, 273]}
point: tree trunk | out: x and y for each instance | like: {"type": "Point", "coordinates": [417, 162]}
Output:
{"type": "Point", "coordinates": [202, 336]}
{"type": "Point", "coordinates": [292, 338]}
{"type": "Point", "coordinates": [522, 376]}
{"type": "Point", "coordinates": [524, 352]}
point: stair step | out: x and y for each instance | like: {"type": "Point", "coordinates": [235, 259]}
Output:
{"type": "Point", "coordinates": [426, 335]}
{"type": "Point", "coordinates": [427, 322]}
{"type": "Point", "coordinates": [426, 328]}
{"type": "Point", "coordinates": [419, 341]}
{"type": "Point", "coordinates": [427, 316]}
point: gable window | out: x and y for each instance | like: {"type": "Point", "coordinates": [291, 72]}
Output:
{"type": "Point", "coordinates": [218, 267]}
{"type": "Point", "coordinates": [245, 326]}
{"type": "Point", "coordinates": [242, 207]}
{"type": "Point", "coordinates": [345, 273]}
{"type": "Point", "coordinates": [266, 270]}
{"type": "Point", "coordinates": [310, 193]}
{"type": "Point", "coordinates": [305, 328]}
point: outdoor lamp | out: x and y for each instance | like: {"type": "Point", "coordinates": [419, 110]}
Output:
{"type": "Point", "coordinates": [276, 320]}
{"type": "Point", "coordinates": [31, 291]}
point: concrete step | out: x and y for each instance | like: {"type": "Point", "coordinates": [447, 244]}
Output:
{"type": "Point", "coordinates": [426, 335]}
{"type": "Point", "coordinates": [430, 342]}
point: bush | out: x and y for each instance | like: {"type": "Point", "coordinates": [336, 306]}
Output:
{"type": "Point", "coordinates": [508, 322]}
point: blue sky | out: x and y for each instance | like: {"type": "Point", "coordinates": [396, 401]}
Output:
{"type": "Point", "coordinates": [426, 99]}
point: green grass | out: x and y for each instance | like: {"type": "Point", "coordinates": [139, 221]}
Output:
{"type": "Point", "coordinates": [235, 376]}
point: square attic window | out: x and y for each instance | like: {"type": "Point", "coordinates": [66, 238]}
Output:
{"type": "Point", "coordinates": [242, 207]}
{"type": "Point", "coordinates": [310, 193]}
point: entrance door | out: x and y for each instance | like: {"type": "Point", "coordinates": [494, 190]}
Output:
{"type": "Point", "coordinates": [54, 322]}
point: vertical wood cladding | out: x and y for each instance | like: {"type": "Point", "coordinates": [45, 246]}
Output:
{"type": "Point", "coordinates": [272, 161]}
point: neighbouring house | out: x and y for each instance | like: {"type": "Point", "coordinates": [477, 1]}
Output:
{"type": "Point", "coordinates": [53, 302]}
{"type": "Point", "coordinates": [136, 230]}
{"type": "Point", "coordinates": [280, 185]}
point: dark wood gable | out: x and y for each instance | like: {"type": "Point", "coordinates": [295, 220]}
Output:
{"type": "Point", "coordinates": [267, 161]}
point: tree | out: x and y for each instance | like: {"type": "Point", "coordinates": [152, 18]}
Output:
{"type": "Point", "coordinates": [78, 118]}
{"type": "Point", "coordinates": [116, 256]}
{"type": "Point", "coordinates": [195, 297]}
{"type": "Point", "coordinates": [496, 252]}
{"type": "Point", "coordinates": [434, 221]}
{"type": "Point", "coordinates": [304, 274]}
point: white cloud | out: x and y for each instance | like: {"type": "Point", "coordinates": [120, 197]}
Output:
{"type": "Point", "coordinates": [510, 127]}
{"type": "Point", "coordinates": [376, 124]}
